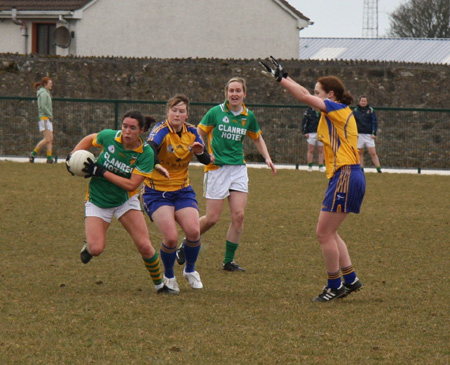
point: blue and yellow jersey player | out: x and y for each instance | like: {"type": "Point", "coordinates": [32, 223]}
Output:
{"type": "Point", "coordinates": [171, 201]}
{"type": "Point", "coordinates": [338, 132]}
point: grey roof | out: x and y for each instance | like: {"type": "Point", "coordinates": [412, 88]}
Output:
{"type": "Point", "coordinates": [42, 4]}
{"type": "Point", "coordinates": [416, 50]}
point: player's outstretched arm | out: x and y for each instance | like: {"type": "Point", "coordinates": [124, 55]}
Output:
{"type": "Point", "coordinates": [295, 89]}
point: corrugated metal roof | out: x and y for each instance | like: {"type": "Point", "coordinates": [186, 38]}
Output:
{"type": "Point", "coordinates": [416, 50]}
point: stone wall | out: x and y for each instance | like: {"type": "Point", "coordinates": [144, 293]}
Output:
{"type": "Point", "coordinates": [386, 84]}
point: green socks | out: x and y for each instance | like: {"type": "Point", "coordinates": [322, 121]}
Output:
{"type": "Point", "coordinates": [230, 250]}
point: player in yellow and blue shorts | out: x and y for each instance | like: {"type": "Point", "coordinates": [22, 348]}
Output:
{"type": "Point", "coordinates": [172, 201]}
{"type": "Point", "coordinates": [337, 131]}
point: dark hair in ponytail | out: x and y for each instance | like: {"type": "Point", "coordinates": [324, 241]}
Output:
{"type": "Point", "coordinates": [136, 114]}
{"type": "Point", "coordinates": [149, 121]}
{"type": "Point", "coordinates": [332, 83]}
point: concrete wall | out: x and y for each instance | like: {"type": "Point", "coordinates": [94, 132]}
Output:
{"type": "Point", "coordinates": [12, 39]}
{"type": "Point", "coordinates": [201, 28]}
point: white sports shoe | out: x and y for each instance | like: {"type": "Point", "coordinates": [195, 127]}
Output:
{"type": "Point", "coordinates": [309, 168]}
{"type": "Point", "coordinates": [194, 279]}
{"type": "Point", "coordinates": [171, 284]}
{"type": "Point", "coordinates": [322, 169]}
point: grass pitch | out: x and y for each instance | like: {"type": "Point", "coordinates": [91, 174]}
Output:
{"type": "Point", "coordinates": [55, 310]}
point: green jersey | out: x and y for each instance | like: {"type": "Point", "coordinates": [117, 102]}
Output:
{"type": "Point", "coordinates": [226, 133]}
{"type": "Point", "coordinates": [119, 161]}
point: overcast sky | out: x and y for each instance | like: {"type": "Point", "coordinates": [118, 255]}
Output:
{"type": "Point", "coordinates": [342, 18]}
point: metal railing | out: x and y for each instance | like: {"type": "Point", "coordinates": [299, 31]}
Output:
{"type": "Point", "coordinates": [407, 137]}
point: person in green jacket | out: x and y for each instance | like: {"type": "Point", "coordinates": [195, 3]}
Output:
{"type": "Point", "coordinates": [44, 101]}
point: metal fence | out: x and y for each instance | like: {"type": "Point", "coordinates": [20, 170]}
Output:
{"type": "Point", "coordinates": [407, 137]}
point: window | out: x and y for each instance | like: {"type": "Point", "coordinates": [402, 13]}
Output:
{"type": "Point", "coordinates": [43, 41]}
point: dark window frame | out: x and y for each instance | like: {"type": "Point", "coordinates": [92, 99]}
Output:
{"type": "Point", "coordinates": [35, 38]}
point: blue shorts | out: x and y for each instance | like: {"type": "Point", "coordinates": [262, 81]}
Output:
{"type": "Point", "coordinates": [179, 199]}
{"type": "Point", "coordinates": [345, 191]}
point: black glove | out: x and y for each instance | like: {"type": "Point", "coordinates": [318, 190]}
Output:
{"type": "Point", "coordinates": [68, 164]}
{"type": "Point", "coordinates": [93, 169]}
{"type": "Point", "coordinates": [277, 72]}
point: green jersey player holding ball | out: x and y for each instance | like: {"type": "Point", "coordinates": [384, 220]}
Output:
{"type": "Point", "coordinates": [124, 162]}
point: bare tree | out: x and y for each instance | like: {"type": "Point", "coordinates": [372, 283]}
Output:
{"type": "Point", "coordinates": [421, 19]}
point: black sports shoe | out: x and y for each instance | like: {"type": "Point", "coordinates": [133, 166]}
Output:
{"type": "Point", "coordinates": [85, 255]}
{"type": "Point", "coordinates": [180, 252]}
{"type": "Point", "coordinates": [350, 288]}
{"type": "Point", "coordinates": [166, 290]}
{"type": "Point", "coordinates": [50, 160]}
{"type": "Point", "coordinates": [31, 157]}
{"type": "Point", "coordinates": [232, 266]}
{"type": "Point", "coordinates": [329, 294]}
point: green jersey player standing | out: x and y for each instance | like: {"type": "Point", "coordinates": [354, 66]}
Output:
{"type": "Point", "coordinates": [223, 128]}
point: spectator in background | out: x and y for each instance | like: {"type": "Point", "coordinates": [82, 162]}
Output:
{"type": "Point", "coordinates": [44, 101]}
{"type": "Point", "coordinates": [309, 129]}
{"type": "Point", "coordinates": [366, 121]}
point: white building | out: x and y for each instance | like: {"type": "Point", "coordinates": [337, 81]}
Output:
{"type": "Point", "coordinates": [152, 28]}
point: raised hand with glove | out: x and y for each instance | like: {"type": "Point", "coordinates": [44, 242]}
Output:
{"type": "Point", "coordinates": [276, 72]}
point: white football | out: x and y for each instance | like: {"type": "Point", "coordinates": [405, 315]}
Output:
{"type": "Point", "coordinates": [77, 160]}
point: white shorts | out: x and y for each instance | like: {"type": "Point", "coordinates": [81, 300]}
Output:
{"type": "Point", "coordinates": [365, 140]}
{"type": "Point", "coordinates": [312, 139]}
{"type": "Point", "coordinates": [217, 184]}
{"type": "Point", "coordinates": [91, 210]}
{"type": "Point", "coordinates": [45, 125]}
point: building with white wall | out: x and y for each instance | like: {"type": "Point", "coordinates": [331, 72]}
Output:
{"type": "Point", "coordinates": [233, 29]}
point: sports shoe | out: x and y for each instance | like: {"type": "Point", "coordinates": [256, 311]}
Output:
{"type": "Point", "coordinates": [166, 290]}
{"type": "Point", "coordinates": [50, 160]}
{"type": "Point", "coordinates": [31, 157]}
{"type": "Point", "coordinates": [194, 279]}
{"type": "Point", "coordinates": [329, 294]}
{"type": "Point", "coordinates": [232, 266]}
{"type": "Point", "coordinates": [309, 168]}
{"type": "Point", "coordinates": [350, 288]}
{"type": "Point", "coordinates": [180, 252]}
{"type": "Point", "coordinates": [322, 169]}
{"type": "Point", "coordinates": [85, 255]}
{"type": "Point", "coordinates": [171, 284]}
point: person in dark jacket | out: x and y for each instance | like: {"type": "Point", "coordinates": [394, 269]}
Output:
{"type": "Point", "coordinates": [366, 121]}
{"type": "Point", "coordinates": [309, 129]}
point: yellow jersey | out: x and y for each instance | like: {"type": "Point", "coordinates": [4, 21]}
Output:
{"type": "Point", "coordinates": [174, 153]}
{"type": "Point", "coordinates": [338, 132]}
